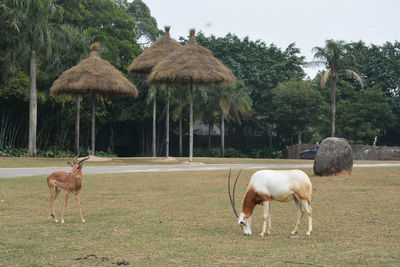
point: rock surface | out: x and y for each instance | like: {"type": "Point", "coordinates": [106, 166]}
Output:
{"type": "Point", "coordinates": [366, 152]}
{"type": "Point", "coordinates": [334, 157]}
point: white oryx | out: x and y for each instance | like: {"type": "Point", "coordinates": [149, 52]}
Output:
{"type": "Point", "coordinates": [279, 185]}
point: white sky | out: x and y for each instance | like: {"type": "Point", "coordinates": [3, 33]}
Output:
{"type": "Point", "coordinates": [308, 23]}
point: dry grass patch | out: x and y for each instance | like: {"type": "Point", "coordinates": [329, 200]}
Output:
{"type": "Point", "coordinates": [184, 218]}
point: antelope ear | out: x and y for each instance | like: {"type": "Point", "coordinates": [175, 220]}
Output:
{"type": "Point", "coordinates": [70, 164]}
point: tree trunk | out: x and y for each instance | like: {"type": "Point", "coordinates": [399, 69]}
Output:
{"type": "Point", "coordinates": [271, 135]}
{"type": "Point", "coordinates": [167, 125]}
{"type": "Point", "coordinates": [333, 99]}
{"type": "Point", "coordinates": [209, 138]}
{"type": "Point", "coordinates": [180, 127]}
{"type": "Point", "coordinates": [32, 107]}
{"type": "Point", "coordinates": [77, 119]}
{"type": "Point", "coordinates": [191, 122]}
{"type": "Point", "coordinates": [154, 126]}
{"type": "Point", "coordinates": [143, 140]}
{"type": "Point", "coordinates": [93, 123]}
{"type": "Point", "coordinates": [222, 134]}
{"type": "Point", "coordinates": [111, 146]}
{"type": "Point", "coordinates": [299, 137]}
{"type": "Point", "coordinates": [270, 140]}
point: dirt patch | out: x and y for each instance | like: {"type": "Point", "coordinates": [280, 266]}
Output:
{"type": "Point", "coordinates": [94, 158]}
{"type": "Point", "coordinates": [192, 163]}
{"type": "Point", "coordinates": [166, 159]}
{"type": "Point", "coordinates": [344, 173]}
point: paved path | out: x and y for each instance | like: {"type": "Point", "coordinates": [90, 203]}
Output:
{"type": "Point", "coordinates": [45, 171]}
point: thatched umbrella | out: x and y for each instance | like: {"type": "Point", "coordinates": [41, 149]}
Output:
{"type": "Point", "coordinates": [144, 63]}
{"type": "Point", "coordinates": [96, 78]}
{"type": "Point", "coordinates": [194, 65]}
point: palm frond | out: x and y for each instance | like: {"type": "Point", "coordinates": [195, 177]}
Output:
{"type": "Point", "coordinates": [353, 74]}
{"type": "Point", "coordinates": [225, 106]}
{"type": "Point", "coordinates": [312, 82]}
{"type": "Point", "coordinates": [151, 94]}
{"type": "Point", "coordinates": [325, 77]}
{"type": "Point", "coordinates": [315, 63]}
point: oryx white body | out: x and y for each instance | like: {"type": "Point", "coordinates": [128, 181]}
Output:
{"type": "Point", "coordinates": [279, 185]}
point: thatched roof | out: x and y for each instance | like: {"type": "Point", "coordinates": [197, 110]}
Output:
{"type": "Point", "coordinates": [191, 62]}
{"type": "Point", "coordinates": [150, 57]}
{"type": "Point", "coordinates": [93, 76]}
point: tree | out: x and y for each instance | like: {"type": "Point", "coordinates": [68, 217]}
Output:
{"type": "Point", "coordinates": [10, 20]}
{"type": "Point", "coordinates": [232, 102]}
{"type": "Point", "coordinates": [180, 97]}
{"type": "Point", "coordinates": [364, 114]}
{"type": "Point", "coordinates": [35, 35]}
{"type": "Point", "coordinates": [260, 67]}
{"type": "Point", "coordinates": [106, 22]}
{"type": "Point", "coordinates": [334, 57]}
{"type": "Point", "coordinates": [146, 29]}
{"type": "Point", "coordinates": [293, 109]}
{"type": "Point", "coordinates": [146, 25]}
{"type": "Point", "coordinates": [380, 66]}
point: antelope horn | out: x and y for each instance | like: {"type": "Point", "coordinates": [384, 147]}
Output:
{"type": "Point", "coordinates": [75, 159]}
{"type": "Point", "coordinates": [232, 198]}
{"type": "Point", "coordinates": [82, 160]}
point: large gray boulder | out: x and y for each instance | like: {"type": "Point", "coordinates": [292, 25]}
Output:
{"type": "Point", "coordinates": [334, 157]}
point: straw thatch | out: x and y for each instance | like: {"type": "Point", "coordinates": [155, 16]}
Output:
{"type": "Point", "coordinates": [161, 48]}
{"type": "Point", "coordinates": [93, 76]}
{"type": "Point", "coordinates": [191, 63]}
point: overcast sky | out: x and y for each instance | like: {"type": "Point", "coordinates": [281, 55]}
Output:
{"type": "Point", "coordinates": [308, 23]}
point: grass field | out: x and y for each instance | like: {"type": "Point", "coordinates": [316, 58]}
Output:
{"type": "Point", "coordinates": [184, 218]}
{"type": "Point", "coordinates": [25, 162]}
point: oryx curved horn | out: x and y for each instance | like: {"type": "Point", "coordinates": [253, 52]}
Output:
{"type": "Point", "coordinates": [232, 196]}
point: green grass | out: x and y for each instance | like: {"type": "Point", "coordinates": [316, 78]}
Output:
{"type": "Point", "coordinates": [184, 218]}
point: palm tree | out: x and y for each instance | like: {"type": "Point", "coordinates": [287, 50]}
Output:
{"type": "Point", "coordinates": [35, 36]}
{"type": "Point", "coordinates": [179, 98]}
{"type": "Point", "coordinates": [152, 96]}
{"type": "Point", "coordinates": [334, 57]}
{"type": "Point", "coordinates": [233, 100]}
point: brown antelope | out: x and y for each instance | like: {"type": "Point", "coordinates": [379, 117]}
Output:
{"type": "Point", "coordinates": [279, 185]}
{"type": "Point", "coordinates": [70, 182]}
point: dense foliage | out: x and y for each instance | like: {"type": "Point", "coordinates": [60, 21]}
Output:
{"type": "Point", "coordinates": [269, 108]}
